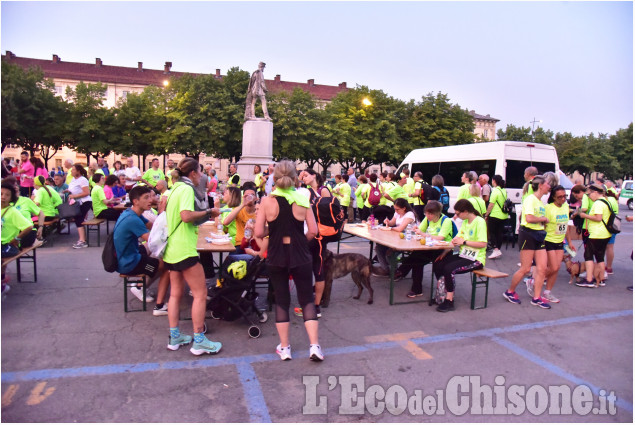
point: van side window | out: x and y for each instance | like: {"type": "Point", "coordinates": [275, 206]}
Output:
{"type": "Point", "coordinates": [515, 171]}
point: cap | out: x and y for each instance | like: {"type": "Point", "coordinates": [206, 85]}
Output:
{"type": "Point", "coordinates": [596, 187]}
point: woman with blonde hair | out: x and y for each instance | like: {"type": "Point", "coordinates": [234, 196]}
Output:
{"type": "Point", "coordinates": [284, 212]}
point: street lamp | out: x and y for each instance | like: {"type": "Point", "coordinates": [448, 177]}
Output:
{"type": "Point", "coordinates": [533, 123]}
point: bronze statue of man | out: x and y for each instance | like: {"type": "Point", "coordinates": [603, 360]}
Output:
{"type": "Point", "coordinates": [257, 89]}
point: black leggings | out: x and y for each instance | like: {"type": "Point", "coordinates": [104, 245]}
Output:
{"type": "Point", "coordinates": [83, 210]}
{"type": "Point", "coordinates": [110, 214]}
{"type": "Point", "coordinates": [416, 261]}
{"type": "Point", "coordinates": [383, 212]}
{"type": "Point", "coordinates": [317, 247]}
{"type": "Point", "coordinates": [452, 265]}
{"type": "Point", "coordinates": [302, 278]}
{"type": "Point", "coordinates": [495, 226]}
{"type": "Point", "coordinates": [364, 213]}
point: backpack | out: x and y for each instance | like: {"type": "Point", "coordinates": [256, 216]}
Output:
{"type": "Point", "coordinates": [427, 194]}
{"type": "Point", "coordinates": [109, 254]}
{"type": "Point", "coordinates": [330, 216]}
{"type": "Point", "coordinates": [508, 205]}
{"type": "Point", "coordinates": [444, 198]}
{"type": "Point", "coordinates": [455, 231]}
{"type": "Point", "coordinates": [374, 196]}
{"type": "Point", "coordinates": [614, 224]}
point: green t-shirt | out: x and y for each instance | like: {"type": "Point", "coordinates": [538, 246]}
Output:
{"type": "Point", "coordinates": [558, 221]}
{"type": "Point", "coordinates": [183, 238]}
{"type": "Point", "coordinates": [344, 194]}
{"type": "Point", "coordinates": [441, 227]}
{"type": "Point", "coordinates": [498, 198]}
{"type": "Point", "coordinates": [478, 203]}
{"type": "Point", "coordinates": [409, 188]}
{"type": "Point", "coordinates": [231, 228]}
{"type": "Point", "coordinates": [416, 200]}
{"type": "Point", "coordinates": [169, 177]}
{"type": "Point", "coordinates": [362, 194]}
{"type": "Point", "coordinates": [533, 206]}
{"type": "Point", "coordinates": [27, 208]}
{"type": "Point", "coordinates": [475, 231]}
{"type": "Point", "coordinates": [597, 229]}
{"type": "Point", "coordinates": [384, 189]}
{"type": "Point", "coordinates": [395, 191]}
{"type": "Point", "coordinates": [48, 203]}
{"type": "Point", "coordinates": [98, 197]}
{"type": "Point", "coordinates": [587, 204]}
{"type": "Point", "coordinates": [153, 176]}
{"type": "Point", "coordinates": [13, 222]}
{"type": "Point", "coordinates": [464, 192]}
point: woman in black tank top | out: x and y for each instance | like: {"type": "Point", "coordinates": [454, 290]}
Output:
{"type": "Point", "coordinates": [288, 255]}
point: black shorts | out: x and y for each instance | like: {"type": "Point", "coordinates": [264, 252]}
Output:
{"type": "Point", "coordinates": [182, 265]}
{"type": "Point", "coordinates": [554, 246]}
{"type": "Point", "coordinates": [147, 265]}
{"type": "Point", "coordinates": [595, 248]}
{"type": "Point", "coordinates": [527, 242]}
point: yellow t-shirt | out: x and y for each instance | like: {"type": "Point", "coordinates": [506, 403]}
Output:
{"type": "Point", "coordinates": [558, 220]}
{"type": "Point", "coordinates": [597, 229]}
{"type": "Point", "coordinates": [533, 206]}
{"type": "Point", "coordinates": [183, 236]}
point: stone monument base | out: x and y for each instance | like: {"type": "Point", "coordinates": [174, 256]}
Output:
{"type": "Point", "coordinates": [257, 147]}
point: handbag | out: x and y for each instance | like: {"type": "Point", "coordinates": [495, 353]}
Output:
{"type": "Point", "coordinates": [67, 210]}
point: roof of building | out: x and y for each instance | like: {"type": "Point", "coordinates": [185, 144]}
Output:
{"type": "Point", "coordinates": [56, 68]}
{"type": "Point", "coordinates": [482, 117]}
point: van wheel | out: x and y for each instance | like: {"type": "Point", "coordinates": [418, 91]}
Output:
{"type": "Point", "coordinates": [629, 204]}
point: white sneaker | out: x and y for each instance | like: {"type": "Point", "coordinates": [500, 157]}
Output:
{"type": "Point", "coordinates": [137, 292]}
{"type": "Point", "coordinates": [315, 353]}
{"type": "Point", "coordinates": [606, 275]}
{"type": "Point", "coordinates": [284, 352]}
{"type": "Point", "coordinates": [163, 311]}
{"type": "Point", "coordinates": [530, 286]}
{"type": "Point", "coordinates": [550, 297]}
{"type": "Point", "coordinates": [495, 254]}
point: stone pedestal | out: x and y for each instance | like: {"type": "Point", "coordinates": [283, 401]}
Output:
{"type": "Point", "coordinates": [257, 147]}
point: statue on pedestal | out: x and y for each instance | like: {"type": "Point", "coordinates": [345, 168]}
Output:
{"type": "Point", "coordinates": [257, 89]}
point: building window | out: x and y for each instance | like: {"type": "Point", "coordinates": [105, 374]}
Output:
{"type": "Point", "coordinates": [485, 133]}
{"type": "Point", "coordinates": [58, 91]}
{"type": "Point", "coordinates": [125, 94]}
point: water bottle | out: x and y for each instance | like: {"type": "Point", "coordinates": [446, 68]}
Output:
{"type": "Point", "coordinates": [248, 230]}
{"type": "Point", "coordinates": [371, 220]}
{"type": "Point", "coordinates": [219, 224]}
{"type": "Point", "coordinates": [409, 232]}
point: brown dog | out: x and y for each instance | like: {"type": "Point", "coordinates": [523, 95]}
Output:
{"type": "Point", "coordinates": [340, 265]}
{"type": "Point", "coordinates": [574, 268]}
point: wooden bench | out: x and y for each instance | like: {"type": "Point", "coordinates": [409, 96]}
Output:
{"type": "Point", "coordinates": [480, 278]}
{"type": "Point", "coordinates": [93, 225]}
{"type": "Point", "coordinates": [131, 281]}
{"type": "Point", "coordinates": [26, 255]}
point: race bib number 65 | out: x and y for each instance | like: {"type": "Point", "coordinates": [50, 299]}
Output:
{"type": "Point", "coordinates": [561, 229]}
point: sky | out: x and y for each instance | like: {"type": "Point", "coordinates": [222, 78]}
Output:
{"type": "Point", "coordinates": [566, 64]}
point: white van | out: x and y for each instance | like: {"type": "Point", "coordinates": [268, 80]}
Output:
{"type": "Point", "coordinates": [509, 159]}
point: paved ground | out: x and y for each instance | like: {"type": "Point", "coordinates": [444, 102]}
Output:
{"type": "Point", "coordinates": [70, 354]}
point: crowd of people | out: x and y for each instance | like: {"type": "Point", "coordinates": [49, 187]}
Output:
{"type": "Point", "coordinates": [277, 216]}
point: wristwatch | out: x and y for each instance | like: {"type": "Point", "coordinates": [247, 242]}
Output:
{"type": "Point", "coordinates": [464, 242]}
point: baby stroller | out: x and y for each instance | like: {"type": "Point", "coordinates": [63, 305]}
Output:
{"type": "Point", "coordinates": [235, 293]}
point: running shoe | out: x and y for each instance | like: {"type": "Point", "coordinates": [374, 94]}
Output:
{"type": "Point", "coordinates": [80, 244]}
{"type": "Point", "coordinates": [495, 254]}
{"type": "Point", "coordinates": [602, 283]}
{"type": "Point", "coordinates": [584, 284]}
{"type": "Point", "coordinates": [138, 292]}
{"type": "Point", "coordinates": [548, 295]}
{"type": "Point", "coordinates": [175, 343]}
{"type": "Point", "coordinates": [163, 311]}
{"type": "Point", "coordinates": [411, 294]}
{"type": "Point", "coordinates": [284, 352]}
{"type": "Point", "coordinates": [529, 282]}
{"type": "Point", "coordinates": [540, 302]}
{"type": "Point", "coordinates": [609, 270]}
{"type": "Point", "coordinates": [205, 347]}
{"type": "Point", "coordinates": [446, 306]}
{"type": "Point", "coordinates": [512, 297]}
{"type": "Point", "coordinates": [315, 353]}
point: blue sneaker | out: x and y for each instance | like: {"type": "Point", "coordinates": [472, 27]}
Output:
{"type": "Point", "coordinates": [175, 343]}
{"type": "Point", "coordinates": [205, 347]}
{"type": "Point", "coordinates": [540, 302]}
{"type": "Point", "coordinates": [512, 297]}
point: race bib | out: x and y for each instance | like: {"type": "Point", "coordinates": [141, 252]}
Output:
{"type": "Point", "coordinates": [561, 228]}
{"type": "Point", "coordinates": [468, 253]}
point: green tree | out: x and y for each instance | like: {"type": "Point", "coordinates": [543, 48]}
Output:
{"type": "Point", "coordinates": [31, 113]}
{"type": "Point", "coordinates": [89, 123]}
{"type": "Point", "coordinates": [433, 122]}
{"type": "Point", "coordinates": [621, 146]}
{"type": "Point", "coordinates": [235, 84]}
{"type": "Point", "coordinates": [513, 133]}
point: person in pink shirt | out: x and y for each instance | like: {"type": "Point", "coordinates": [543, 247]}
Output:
{"type": "Point", "coordinates": [27, 172]}
{"type": "Point", "coordinates": [38, 166]}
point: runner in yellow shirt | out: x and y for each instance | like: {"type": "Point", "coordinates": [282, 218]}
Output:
{"type": "Point", "coordinates": [342, 191]}
{"type": "Point", "coordinates": [557, 211]}
{"type": "Point", "coordinates": [599, 236]}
